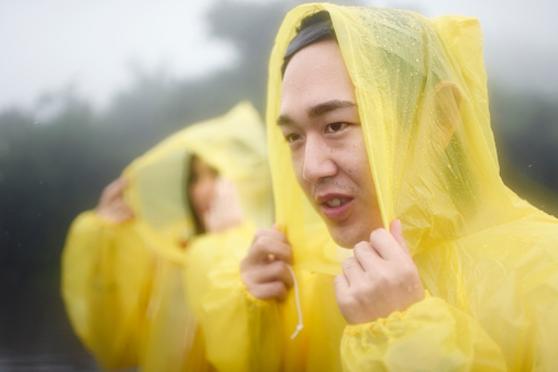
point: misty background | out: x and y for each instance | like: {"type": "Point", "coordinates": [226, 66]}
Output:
{"type": "Point", "coordinates": [85, 87]}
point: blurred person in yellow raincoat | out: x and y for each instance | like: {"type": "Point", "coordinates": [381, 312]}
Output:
{"type": "Point", "coordinates": [380, 141]}
{"type": "Point", "coordinates": [134, 269]}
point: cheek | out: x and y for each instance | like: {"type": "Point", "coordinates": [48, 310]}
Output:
{"type": "Point", "coordinates": [201, 192]}
{"type": "Point", "coordinates": [355, 162]}
{"type": "Point", "coordinates": [297, 161]}
{"type": "Point", "coordinates": [365, 181]}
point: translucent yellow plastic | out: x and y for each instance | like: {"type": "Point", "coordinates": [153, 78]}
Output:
{"type": "Point", "coordinates": [133, 294]}
{"type": "Point", "coordinates": [487, 258]}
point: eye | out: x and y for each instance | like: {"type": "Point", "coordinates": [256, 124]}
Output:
{"type": "Point", "coordinates": [335, 127]}
{"type": "Point", "coordinates": [292, 137]}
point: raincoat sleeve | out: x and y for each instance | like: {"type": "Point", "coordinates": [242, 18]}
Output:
{"type": "Point", "coordinates": [430, 335]}
{"type": "Point", "coordinates": [242, 333]}
{"type": "Point", "coordinates": [105, 285]}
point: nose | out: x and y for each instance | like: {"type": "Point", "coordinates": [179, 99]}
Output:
{"type": "Point", "coordinates": [318, 162]}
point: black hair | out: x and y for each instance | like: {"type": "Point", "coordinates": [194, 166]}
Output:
{"type": "Point", "coordinates": [314, 28]}
{"type": "Point", "coordinates": [191, 179]}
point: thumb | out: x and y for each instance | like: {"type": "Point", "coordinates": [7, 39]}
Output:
{"type": "Point", "coordinates": [397, 231]}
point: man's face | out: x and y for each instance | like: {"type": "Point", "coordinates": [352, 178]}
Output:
{"type": "Point", "coordinates": [319, 119]}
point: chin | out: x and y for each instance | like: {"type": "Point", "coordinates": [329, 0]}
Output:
{"type": "Point", "coordinates": [345, 238]}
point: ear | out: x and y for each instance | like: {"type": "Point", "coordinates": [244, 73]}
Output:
{"type": "Point", "coordinates": [447, 103]}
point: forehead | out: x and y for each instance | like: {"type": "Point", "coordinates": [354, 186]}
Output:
{"type": "Point", "coordinates": [314, 75]}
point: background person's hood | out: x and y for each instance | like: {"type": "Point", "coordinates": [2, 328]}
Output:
{"type": "Point", "coordinates": [234, 144]}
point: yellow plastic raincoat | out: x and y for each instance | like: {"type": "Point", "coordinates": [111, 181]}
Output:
{"type": "Point", "coordinates": [132, 292]}
{"type": "Point", "coordinates": [487, 258]}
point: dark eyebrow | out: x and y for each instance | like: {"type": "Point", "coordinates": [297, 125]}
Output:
{"type": "Point", "coordinates": [324, 108]}
{"type": "Point", "coordinates": [284, 120]}
{"type": "Point", "coordinates": [318, 110]}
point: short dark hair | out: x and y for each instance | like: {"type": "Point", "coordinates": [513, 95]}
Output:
{"type": "Point", "coordinates": [314, 28]}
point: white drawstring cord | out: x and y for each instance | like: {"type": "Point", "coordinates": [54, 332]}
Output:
{"type": "Point", "coordinates": [300, 324]}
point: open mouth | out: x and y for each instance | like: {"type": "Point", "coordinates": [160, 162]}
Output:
{"type": "Point", "coordinates": [334, 206]}
{"type": "Point", "coordinates": [336, 202]}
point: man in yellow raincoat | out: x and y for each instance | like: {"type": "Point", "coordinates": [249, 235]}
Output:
{"type": "Point", "coordinates": [134, 270]}
{"type": "Point", "coordinates": [380, 141]}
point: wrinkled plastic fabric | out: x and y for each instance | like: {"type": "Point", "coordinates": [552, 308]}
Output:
{"type": "Point", "coordinates": [133, 293]}
{"type": "Point", "coordinates": [487, 258]}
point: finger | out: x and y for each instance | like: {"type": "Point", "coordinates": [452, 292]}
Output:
{"type": "Point", "coordinates": [117, 216]}
{"type": "Point", "coordinates": [117, 186]}
{"type": "Point", "coordinates": [366, 256]}
{"type": "Point", "coordinates": [396, 230]}
{"type": "Point", "coordinates": [272, 233]}
{"type": "Point", "coordinates": [275, 271]}
{"type": "Point", "coordinates": [114, 190]}
{"type": "Point", "coordinates": [341, 285]}
{"type": "Point", "coordinates": [269, 291]}
{"type": "Point", "coordinates": [121, 205]}
{"type": "Point", "coordinates": [121, 217]}
{"type": "Point", "coordinates": [122, 182]}
{"type": "Point", "coordinates": [352, 270]}
{"type": "Point", "coordinates": [271, 250]}
{"type": "Point", "coordinates": [385, 244]}
{"type": "Point", "coordinates": [106, 195]}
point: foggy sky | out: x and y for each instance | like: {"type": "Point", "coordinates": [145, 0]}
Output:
{"type": "Point", "coordinates": [90, 45]}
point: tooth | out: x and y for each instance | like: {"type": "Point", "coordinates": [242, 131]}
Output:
{"type": "Point", "coordinates": [335, 202]}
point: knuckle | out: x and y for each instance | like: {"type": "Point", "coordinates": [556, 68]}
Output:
{"type": "Point", "coordinates": [282, 289]}
{"type": "Point", "coordinates": [360, 292]}
{"type": "Point", "coordinates": [361, 250]}
{"type": "Point", "coordinates": [378, 234]}
{"type": "Point", "coordinates": [370, 277]}
{"type": "Point", "coordinates": [360, 246]}
{"type": "Point", "coordinates": [409, 275]}
{"type": "Point", "coordinates": [278, 289]}
{"type": "Point", "coordinates": [350, 302]}
{"type": "Point", "coordinates": [252, 289]}
{"type": "Point", "coordinates": [396, 281]}
{"type": "Point", "coordinates": [343, 298]}
{"type": "Point", "coordinates": [250, 256]}
{"type": "Point", "coordinates": [349, 263]}
{"type": "Point", "coordinates": [257, 292]}
{"type": "Point", "coordinates": [270, 244]}
{"type": "Point", "coordinates": [277, 268]}
{"type": "Point", "coordinates": [407, 269]}
{"type": "Point", "coordinates": [247, 278]}
{"type": "Point", "coordinates": [339, 280]}
{"type": "Point", "coordinates": [258, 236]}
{"type": "Point", "coordinates": [382, 281]}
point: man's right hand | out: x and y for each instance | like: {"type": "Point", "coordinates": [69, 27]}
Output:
{"type": "Point", "coordinates": [265, 270]}
{"type": "Point", "coordinates": [112, 206]}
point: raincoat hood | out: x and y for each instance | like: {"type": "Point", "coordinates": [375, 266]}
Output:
{"type": "Point", "coordinates": [486, 258]}
{"type": "Point", "coordinates": [420, 87]}
{"type": "Point", "coordinates": [233, 144]}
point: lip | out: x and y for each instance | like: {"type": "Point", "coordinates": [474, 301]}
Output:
{"type": "Point", "coordinates": [335, 213]}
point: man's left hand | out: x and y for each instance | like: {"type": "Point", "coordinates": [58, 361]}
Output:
{"type": "Point", "coordinates": [379, 279]}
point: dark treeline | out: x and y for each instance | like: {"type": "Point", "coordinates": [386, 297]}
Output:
{"type": "Point", "coordinates": [53, 167]}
